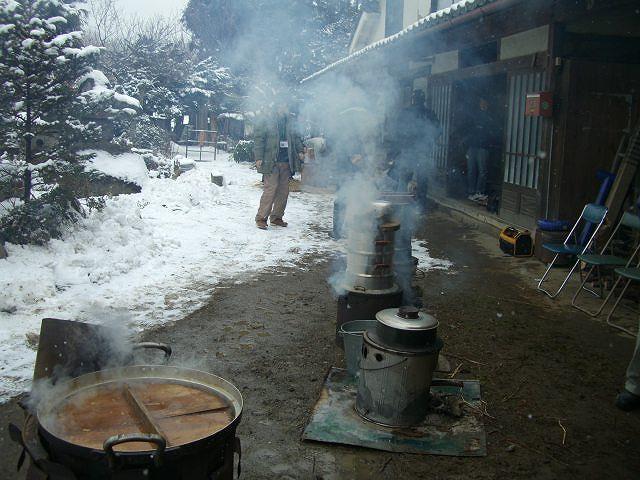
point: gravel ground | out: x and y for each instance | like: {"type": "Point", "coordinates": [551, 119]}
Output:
{"type": "Point", "coordinates": [542, 365]}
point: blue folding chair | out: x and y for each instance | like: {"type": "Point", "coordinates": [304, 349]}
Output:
{"type": "Point", "coordinates": [592, 215]}
{"type": "Point", "coordinates": [610, 257]}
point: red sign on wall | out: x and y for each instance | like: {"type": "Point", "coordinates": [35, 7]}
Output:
{"type": "Point", "coordinates": [539, 104]}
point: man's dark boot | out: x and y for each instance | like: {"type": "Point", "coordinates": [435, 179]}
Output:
{"type": "Point", "coordinates": [279, 222]}
{"type": "Point", "coordinates": [261, 224]}
{"type": "Point", "coordinates": [627, 401]}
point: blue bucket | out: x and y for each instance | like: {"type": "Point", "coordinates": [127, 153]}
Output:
{"type": "Point", "coordinates": [351, 333]}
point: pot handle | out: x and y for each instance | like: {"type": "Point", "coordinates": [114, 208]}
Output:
{"type": "Point", "coordinates": [160, 346]}
{"type": "Point", "coordinates": [16, 435]}
{"type": "Point", "coordinates": [111, 442]}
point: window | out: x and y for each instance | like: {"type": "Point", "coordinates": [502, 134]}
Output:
{"type": "Point", "coordinates": [479, 55]}
{"type": "Point", "coordinates": [439, 5]}
{"type": "Point", "coordinates": [393, 17]}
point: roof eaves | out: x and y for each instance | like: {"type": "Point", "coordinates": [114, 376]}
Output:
{"type": "Point", "coordinates": [436, 18]}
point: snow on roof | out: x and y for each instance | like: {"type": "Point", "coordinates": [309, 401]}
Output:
{"type": "Point", "coordinates": [436, 18]}
{"type": "Point", "coordinates": [231, 115]}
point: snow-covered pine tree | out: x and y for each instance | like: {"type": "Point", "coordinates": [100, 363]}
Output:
{"type": "Point", "coordinates": [207, 80]}
{"type": "Point", "coordinates": [207, 83]}
{"type": "Point", "coordinates": [287, 38]}
{"type": "Point", "coordinates": [152, 70]}
{"type": "Point", "coordinates": [51, 102]}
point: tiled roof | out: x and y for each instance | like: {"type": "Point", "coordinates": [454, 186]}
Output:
{"type": "Point", "coordinates": [436, 18]}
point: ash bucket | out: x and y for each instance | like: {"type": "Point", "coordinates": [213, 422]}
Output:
{"type": "Point", "coordinates": [351, 333]}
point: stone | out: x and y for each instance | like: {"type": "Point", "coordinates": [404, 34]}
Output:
{"type": "Point", "coordinates": [443, 364]}
{"type": "Point", "coordinates": [32, 340]}
{"type": "Point", "coordinates": [217, 179]}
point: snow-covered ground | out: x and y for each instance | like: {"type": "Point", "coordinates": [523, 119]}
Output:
{"type": "Point", "coordinates": [152, 257]}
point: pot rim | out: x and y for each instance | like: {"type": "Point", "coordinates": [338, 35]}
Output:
{"type": "Point", "coordinates": [408, 351]}
{"type": "Point", "coordinates": [389, 317]}
{"type": "Point", "coordinates": [160, 372]}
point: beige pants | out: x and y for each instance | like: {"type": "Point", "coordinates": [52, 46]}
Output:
{"type": "Point", "coordinates": [633, 371]}
{"type": "Point", "coordinates": [275, 193]}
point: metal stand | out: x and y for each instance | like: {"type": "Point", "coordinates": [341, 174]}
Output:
{"type": "Point", "coordinates": [202, 138]}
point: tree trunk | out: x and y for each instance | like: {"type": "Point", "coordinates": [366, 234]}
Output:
{"type": "Point", "coordinates": [178, 129]}
{"type": "Point", "coordinates": [26, 178]}
{"type": "Point", "coordinates": [28, 151]}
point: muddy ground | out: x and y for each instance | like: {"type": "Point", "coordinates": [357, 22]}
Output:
{"type": "Point", "coordinates": [541, 365]}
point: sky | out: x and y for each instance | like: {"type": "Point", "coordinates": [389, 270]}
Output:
{"type": "Point", "coordinates": [150, 8]}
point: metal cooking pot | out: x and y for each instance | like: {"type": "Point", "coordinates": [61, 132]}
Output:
{"type": "Point", "coordinates": [162, 420]}
{"type": "Point", "coordinates": [407, 329]}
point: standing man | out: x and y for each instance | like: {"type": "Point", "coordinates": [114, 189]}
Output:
{"type": "Point", "coordinates": [278, 152]}
{"type": "Point", "coordinates": [629, 398]}
{"type": "Point", "coordinates": [479, 139]}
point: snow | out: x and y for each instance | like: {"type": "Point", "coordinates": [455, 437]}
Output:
{"type": "Point", "coordinates": [231, 115]}
{"type": "Point", "coordinates": [127, 99]}
{"type": "Point", "coordinates": [6, 27]}
{"type": "Point", "coordinates": [63, 38]}
{"type": "Point", "coordinates": [101, 89]}
{"type": "Point", "coordinates": [54, 20]}
{"type": "Point", "coordinates": [83, 51]}
{"type": "Point", "coordinates": [152, 257]}
{"type": "Point", "coordinates": [99, 79]}
{"type": "Point", "coordinates": [102, 92]}
{"type": "Point", "coordinates": [41, 166]}
{"type": "Point", "coordinates": [10, 6]}
{"type": "Point", "coordinates": [425, 261]}
{"type": "Point", "coordinates": [129, 166]}
{"type": "Point", "coordinates": [8, 204]}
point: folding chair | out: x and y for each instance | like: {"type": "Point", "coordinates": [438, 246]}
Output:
{"type": "Point", "coordinates": [591, 214]}
{"type": "Point", "coordinates": [604, 260]}
{"type": "Point", "coordinates": [631, 274]}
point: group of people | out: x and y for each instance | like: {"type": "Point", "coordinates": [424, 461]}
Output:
{"type": "Point", "coordinates": [279, 154]}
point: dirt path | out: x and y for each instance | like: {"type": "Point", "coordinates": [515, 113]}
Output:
{"type": "Point", "coordinates": [539, 364]}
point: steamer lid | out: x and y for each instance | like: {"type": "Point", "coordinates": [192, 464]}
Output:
{"type": "Point", "coordinates": [406, 318]}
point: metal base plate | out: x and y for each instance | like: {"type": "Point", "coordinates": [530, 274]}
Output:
{"type": "Point", "coordinates": [334, 420]}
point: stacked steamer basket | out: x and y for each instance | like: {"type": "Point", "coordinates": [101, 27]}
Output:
{"type": "Point", "coordinates": [369, 280]}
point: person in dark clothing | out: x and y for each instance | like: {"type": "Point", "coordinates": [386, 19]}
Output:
{"type": "Point", "coordinates": [629, 398]}
{"type": "Point", "coordinates": [480, 137]}
{"type": "Point", "coordinates": [414, 134]}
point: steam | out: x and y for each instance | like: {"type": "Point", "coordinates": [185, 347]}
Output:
{"type": "Point", "coordinates": [74, 349]}
{"type": "Point", "coordinates": [373, 150]}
